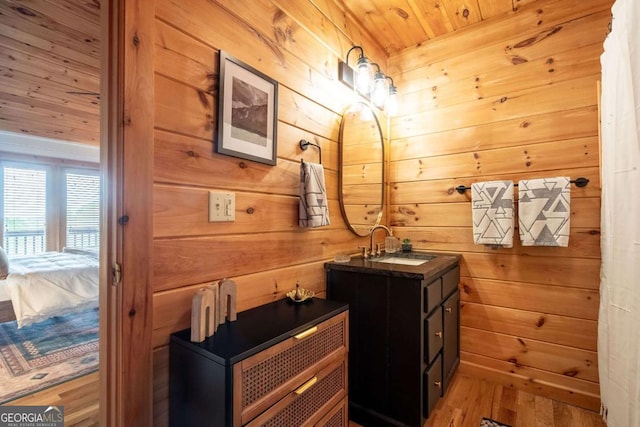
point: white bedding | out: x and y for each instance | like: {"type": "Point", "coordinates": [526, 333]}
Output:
{"type": "Point", "coordinates": [51, 284]}
{"type": "Point", "coordinates": [4, 291]}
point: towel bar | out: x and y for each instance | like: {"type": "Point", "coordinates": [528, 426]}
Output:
{"type": "Point", "coordinates": [579, 182]}
{"type": "Point", "coordinates": [304, 144]}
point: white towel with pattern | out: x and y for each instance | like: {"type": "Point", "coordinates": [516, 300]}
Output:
{"type": "Point", "coordinates": [544, 211]}
{"type": "Point", "coordinates": [313, 209]}
{"type": "Point", "coordinates": [492, 211]}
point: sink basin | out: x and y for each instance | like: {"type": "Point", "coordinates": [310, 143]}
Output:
{"type": "Point", "coordinates": [404, 258]}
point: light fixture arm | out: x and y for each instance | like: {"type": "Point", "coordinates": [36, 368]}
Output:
{"type": "Point", "coordinates": [392, 86]}
{"type": "Point", "coordinates": [349, 52]}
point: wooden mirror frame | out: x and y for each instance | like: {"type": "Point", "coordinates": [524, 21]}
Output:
{"type": "Point", "coordinates": [369, 177]}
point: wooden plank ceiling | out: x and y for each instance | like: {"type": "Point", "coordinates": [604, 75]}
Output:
{"type": "Point", "coordinates": [50, 69]}
{"type": "Point", "coordinates": [50, 54]}
{"type": "Point", "coordinates": [398, 24]}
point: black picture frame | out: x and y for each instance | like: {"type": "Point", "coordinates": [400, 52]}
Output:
{"type": "Point", "coordinates": [247, 112]}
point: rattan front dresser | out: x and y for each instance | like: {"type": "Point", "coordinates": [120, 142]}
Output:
{"type": "Point", "coordinates": [280, 364]}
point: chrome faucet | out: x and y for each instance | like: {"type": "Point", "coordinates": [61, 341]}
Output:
{"type": "Point", "coordinates": [372, 232]}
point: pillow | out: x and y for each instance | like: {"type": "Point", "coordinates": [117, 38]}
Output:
{"type": "Point", "coordinates": [4, 264]}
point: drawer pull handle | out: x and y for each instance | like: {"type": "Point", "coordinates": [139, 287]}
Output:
{"type": "Point", "coordinates": [306, 333]}
{"type": "Point", "coordinates": [448, 309]}
{"type": "Point", "coordinates": [439, 334]}
{"type": "Point", "coordinates": [304, 387]}
{"type": "Point", "coordinates": [438, 384]}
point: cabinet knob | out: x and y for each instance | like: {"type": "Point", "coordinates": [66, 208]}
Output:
{"type": "Point", "coordinates": [448, 309]}
{"type": "Point", "coordinates": [439, 334]}
{"type": "Point", "coordinates": [438, 384]}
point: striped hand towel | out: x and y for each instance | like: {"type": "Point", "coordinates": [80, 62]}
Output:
{"type": "Point", "coordinates": [313, 209]}
{"type": "Point", "coordinates": [492, 211]}
{"type": "Point", "coordinates": [544, 211]}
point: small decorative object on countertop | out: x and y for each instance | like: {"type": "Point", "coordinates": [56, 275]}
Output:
{"type": "Point", "coordinates": [406, 245]}
{"type": "Point", "coordinates": [299, 294]}
{"type": "Point", "coordinates": [203, 315]}
{"type": "Point", "coordinates": [391, 244]}
{"type": "Point", "coordinates": [211, 306]}
{"type": "Point", "coordinates": [343, 257]}
{"type": "Point", "coordinates": [227, 300]}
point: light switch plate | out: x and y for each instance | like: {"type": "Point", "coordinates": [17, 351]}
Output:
{"type": "Point", "coordinates": [222, 206]}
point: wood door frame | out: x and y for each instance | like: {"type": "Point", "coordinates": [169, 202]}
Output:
{"type": "Point", "coordinates": [126, 155]}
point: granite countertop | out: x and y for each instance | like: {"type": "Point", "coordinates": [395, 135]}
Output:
{"type": "Point", "coordinates": [435, 267]}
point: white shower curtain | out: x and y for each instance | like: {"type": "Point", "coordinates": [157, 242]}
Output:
{"type": "Point", "coordinates": [619, 318]}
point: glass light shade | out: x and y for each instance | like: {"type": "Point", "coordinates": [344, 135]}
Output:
{"type": "Point", "coordinates": [363, 76]}
{"type": "Point", "coordinates": [380, 90]}
{"type": "Point", "coordinates": [391, 104]}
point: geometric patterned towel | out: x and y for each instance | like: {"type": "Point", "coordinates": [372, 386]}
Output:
{"type": "Point", "coordinates": [313, 210]}
{"type": "Point", "coordinates": [488, 422]}
{"type": "Point", "coordinates": [544, 211]}
{"type": "Point", "coordinates": [492, 212]}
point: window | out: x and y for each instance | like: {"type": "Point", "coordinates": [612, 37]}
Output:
{"type": "Point", "coordinates": [83, 210]}
{"type": "Point", "coordinates": [48, 208]}
{"type": "Point", "coordinates": [25, 216]}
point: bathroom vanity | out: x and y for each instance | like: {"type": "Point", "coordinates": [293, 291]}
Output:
{"type": "Point", "coordinates": [404, 342]}
{"type": "Point", "coordinates": [279, 364]}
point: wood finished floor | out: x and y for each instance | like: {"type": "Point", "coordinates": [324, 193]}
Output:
{"type": "Point", "coordinates": [80, 398]}
{"type": "Point", "coordinates": [466, 402]}
{"type": "Point", "coordinates": [470, 399]}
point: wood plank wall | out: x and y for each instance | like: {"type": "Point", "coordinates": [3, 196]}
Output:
{"type": "Point", "coordinates": [510, 98]}
{"type": "Point", "coordinates": [298, 43]}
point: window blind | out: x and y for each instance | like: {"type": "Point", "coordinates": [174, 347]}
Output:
{"type": "Point", "coordinates": [83, 210]}
{"type": "Point", "coordinates": [25, 206]}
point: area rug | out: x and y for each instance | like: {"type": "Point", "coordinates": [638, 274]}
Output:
{"type": "Point", "coordinates": [488, 422]}
{"type": "Point", "coordinates": [47, 353]}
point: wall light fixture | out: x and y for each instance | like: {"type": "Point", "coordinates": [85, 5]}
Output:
{"type": "Point", "coordinates": [364, 81]}
{"type": "Point", "coordinates": [380, 90]}
{"type": "Point", "coordinates": [361, 78]}
{"type": "Point", "coordinates": [391, 105]}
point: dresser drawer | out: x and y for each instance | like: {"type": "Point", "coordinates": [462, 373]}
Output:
{"type": "Point", "coordinates": [306, 405]}
{"type": "Point", "coordinates": [433, 334]}
{"type": "Point", "coordinates": [338, 416]}
{"type": "Point", "coordinates": [450, 281]}
{"type": "Point", "coordinates": [264, 379]}
{"type": "Point", "coordinates": [432, 386]}
{"type": "Point", "coordinates": [432, 295]}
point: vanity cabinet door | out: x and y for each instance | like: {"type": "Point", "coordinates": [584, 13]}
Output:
{"type": "Point", "coordinates": [451, 348]}
{"type": "Point", "coordinates": [367, 297]}
{"type": "Point", "coordinates": [404, 349]}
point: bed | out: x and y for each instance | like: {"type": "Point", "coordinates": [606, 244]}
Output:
{"type": "Point", "coordinates": [41, 286]}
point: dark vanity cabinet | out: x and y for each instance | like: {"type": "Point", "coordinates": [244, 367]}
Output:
{"type": "Point", "coordinates": [404, 336]}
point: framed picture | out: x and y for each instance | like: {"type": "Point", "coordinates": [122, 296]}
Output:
{"type": "Point", "coordinates": [247, 112]}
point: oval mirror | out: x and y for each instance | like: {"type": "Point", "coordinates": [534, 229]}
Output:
{"type": "Point", "coordinates": [361, 168]}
